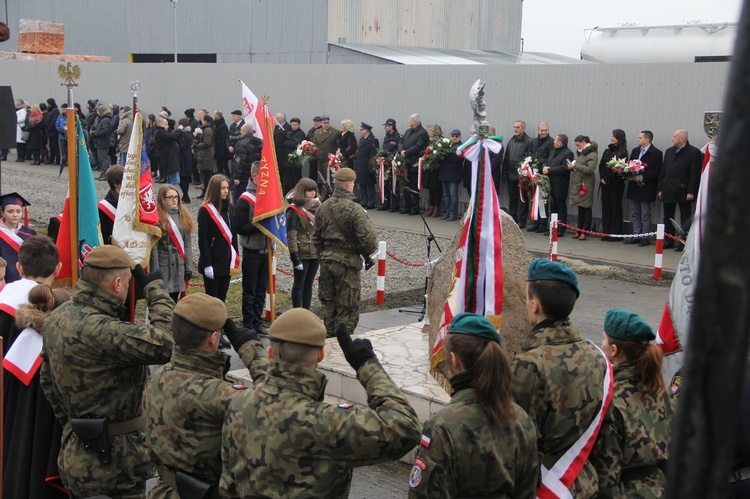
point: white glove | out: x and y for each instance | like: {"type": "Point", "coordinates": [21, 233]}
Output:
{"type": "Point", "coordinates": [209, 272]}
{"type": "Point", "coordinates": [300, 267]}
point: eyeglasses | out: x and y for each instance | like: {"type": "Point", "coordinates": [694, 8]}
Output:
{"type": "Point", "coordinates": [172, 197]}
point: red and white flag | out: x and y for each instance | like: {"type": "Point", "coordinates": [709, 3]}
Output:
{"type": "Point", "coordinates": [673, 331]}
{"type": "Point", "coordinates": [252, 111]}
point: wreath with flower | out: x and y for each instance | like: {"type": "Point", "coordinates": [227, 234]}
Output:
{"type": "Point", "coordinates": [305, 151]}
{"type": "Point", "coordinates": [439, 147]}
{"type": "Point", "coordinates": [628, 170]}
{"type": "Point", "coordinates": [381, 156]}
{"type": "Point", "coordinates": [398, 163]}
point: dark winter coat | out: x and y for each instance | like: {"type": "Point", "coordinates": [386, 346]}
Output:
{"type": "Point", "coordinates": [185, 144]}
{"type": "Point", "coordinates": [102, 131]}
{"type": "Point", "coordinates": [391, 141]}
{"type": "Point", "coordinates": [234, 133]}
{"type": "Point", "coordinates": [347, 143]}
{"type": "Point", "coordinates": [516, 151]}
{"type": "Point", "coordinates": [214, 250]}
{"type": "Point", "coordinates": [246, 151]}
{"type": "Point", "coordinates": [680, 173]}
{"type": "Point", "coordinates": [49, 121]}
{"type": "Point", "coordinates": [221, 136]}
{"type": "Point", "coordinates": [451, 167]}
{"type": "Point", "coordinates": [293, 139]}
{"type": "Point", "coordinates": [543, 148]}
{"type": "Point", "coordinates": [36, 133]}
{"type": "Point", "coordinates": [559, 175]}
{"type": "Point", "coordinates": [279, 136]}
{"type": "Point", "coordinates": [647, 192]}
{"type": "Point", "coordinates": [168, 150]}
{"type": "Point", "coordinates": [204, 150]}
{"type": "Point", "coordinates": [414, 142]}
{"type": "Point", "coordinates": [366, 149]}
{"type": "Point", "coordinates": [605, 172]}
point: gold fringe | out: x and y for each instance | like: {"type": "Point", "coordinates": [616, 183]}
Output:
{"type": "Point", "coordinates": [62, 283]}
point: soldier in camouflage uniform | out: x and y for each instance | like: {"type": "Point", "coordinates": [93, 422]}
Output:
{"type": "Point", "coordinates": [185, 400]}
{"type": "Point", "coordinates": [343, 236]}
{"type": "Point", "coordinates": [94, 370]}
{"type": "Point", "coordinates": [643, 409]}
{"type": "Point", "coordinates": [282, 440]}
{"type": "Point", "coordinates": [482, 444]}
{"type": "Point", "coordinates": [558, 377]}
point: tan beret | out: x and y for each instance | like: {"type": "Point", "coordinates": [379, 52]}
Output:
{"type": "Point", "coordinates": [203, 311]}
{"type": "Point", "coordinates": [299, 325]}
{"type": "Point", "coordinates": [109, 257]}
{"type": "Point", "coordinates": [345, 175]}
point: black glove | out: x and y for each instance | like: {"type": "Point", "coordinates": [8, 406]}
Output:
{"type": "Point", "coordinates": [142, 279]}
{"type": "Point", "coordinates": [357, 352]}
{"type": "Point", "coordinates": [188, 275]}
{"type": "Point", "coordinates": [296, 260]}
{"type": "Point", "coordinates": [238, 337]}
{"type": "Point", "coordinates": [369, 263]}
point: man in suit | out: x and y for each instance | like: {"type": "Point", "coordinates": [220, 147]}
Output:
{"type": "Point", "coordinates": [413, 143]}
{"type": "Point", "coordinates": [640, 197]}
{"type": "Point", "coordinates": [679, 180]}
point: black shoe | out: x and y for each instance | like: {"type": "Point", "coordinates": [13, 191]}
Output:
{"type": "Point", "coordinates": [186, 200]}
{"type": "Point", "coordinates": [541, 230]}
{"type": "Point", "coordinates": [532, 228]}
{"type": "Point", "coordinates": [644, 242]}
{"type": "Point", "coordinates": [521, 225]}
{"type": "Point", "coordinates": [414, 212]}
{"type": "Point", "coordinates": [679, 247]}
{"type": "Point", "coordinates": [383, 208]}
{"type": "Point", "coordinates": [224, 342]}
{"type": "Point", "coordinates": [199, 197]}
{"type": "Point", "coordinates": [394, 210]}
{"type": "Point", "coordinates": [668, 244]}
{"type": "Point", "coordinates": [632, 240]}
{"type": "Point", "coordinates": [605, 238]}
{"type": "Point", "coordinates": [403, 212]}
{"type": "Point", "coordinates": [261, 330]}
{"type": "Point", "coordinates": [614, 239]}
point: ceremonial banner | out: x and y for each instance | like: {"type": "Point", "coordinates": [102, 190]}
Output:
{"type": "Point", "coordinates": [89, 234]}
{"type": "Point", "coordinates": [673, 331]}
{"type": "Point", "coordinates": [136, 227]}
{"type": "Point", "coordinates": [269, 215]}
{"type": "Point", "coordinates": [252, 112]}
{"type": "Point", "coordinates": [477, 282]}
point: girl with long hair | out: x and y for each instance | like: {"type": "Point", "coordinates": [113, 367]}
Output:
{"type": "Point", "coordinates": [216, 240]}
{"type": "Point", "coordinates": [612, 186]}
{"type": "Point", "coordinates": [300, 225]}
{"type": "Point", "coordinates": [637, 439]}
{"type": "Point", "coordinates": [482, 443]}
{"type": "Point", "coordinates": [173, 254]}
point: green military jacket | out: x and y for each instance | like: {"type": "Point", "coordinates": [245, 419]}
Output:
{"type": "Point", "coordinates": [558, 379]}
{"type": "Point", "coordinates": [95, 365]}
{"type": "Point", "coordinates": [638, 437]}
{"type": "Point", "coordinates": [184, 405]}
{"type": "Point", "coordinates": [463, 454]}
{"type": "Point", "coordinates": [343, 232]}
{"type": "Point", "coordinates": [281, 440]}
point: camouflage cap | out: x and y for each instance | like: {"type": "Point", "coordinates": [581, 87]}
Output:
{"type": "Point", "coordinates": [542, 269]}
{"type": "Point", "coordinates": [299, 325]}
{"type": "Point", "coordinates": [109, 257]}
{"type": "Point", "coordinates": [474, 325]}
{"type": "Point", "coordinates": [628, 326]}
{"type": "Point", "coordinates": [203, 311]}
{"type": "Point", "coordinates": [345, 175]}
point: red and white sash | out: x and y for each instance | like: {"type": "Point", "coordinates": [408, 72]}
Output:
{"type": "Point", "coordinates": [419, 174]}
{"type": "Point", "coordinates": [108, 209]}
{"type": "Point", "coordinates": [381, 178]}
{"type": "Point", "coordinates": [14, 240]}
{"type": "Point", "coordinates": [224, 229]}
{"type": "Point", "coordinates": [249, 197]}
{"type": "Point", "coordinates": [25, 355]}
{"type": "Point", "coordinates": [299, 210]}
{"type": "Point", "coordinates": [176, 237]}
{"type": "Point", "coordinates": [538, 209]}
{"type": "Point", "coordinates": [556, 481]}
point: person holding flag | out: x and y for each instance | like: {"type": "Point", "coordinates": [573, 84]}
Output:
{"type": "Point", "coordinates": [173, 254]}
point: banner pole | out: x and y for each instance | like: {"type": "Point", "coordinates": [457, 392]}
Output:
{"type": "Point", "coordinates": [73, 192]}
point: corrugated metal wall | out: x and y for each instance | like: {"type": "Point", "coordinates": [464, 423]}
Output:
{"type": "Point", "coordinates": [442, 24]}
{"type": "Point", "coordinates": [582, 99]}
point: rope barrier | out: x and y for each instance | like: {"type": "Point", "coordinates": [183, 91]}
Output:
{"type": "Point", "coordinates": [404, 262]}
{"type": "Point", "coordinates": [603, 234]}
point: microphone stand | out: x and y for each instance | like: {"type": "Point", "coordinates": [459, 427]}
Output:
{"type": "Point", "coordinates": [429, 240]}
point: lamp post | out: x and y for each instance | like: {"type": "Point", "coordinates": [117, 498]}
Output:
{"type": "Point", "coordinates": [174, 3]}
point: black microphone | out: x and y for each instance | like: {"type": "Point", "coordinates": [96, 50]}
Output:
{"type": "Point", "coordinates": [410, 191]}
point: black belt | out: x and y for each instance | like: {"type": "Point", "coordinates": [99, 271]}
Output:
{"type": "Point", "coordinates": [264, 251]}
{"type": "Point", "coordinates": [124, 427]}
{"type": "Point", "coordinates": [638, 473]}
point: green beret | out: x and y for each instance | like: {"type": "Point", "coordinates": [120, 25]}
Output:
{"type": "Point", "coordinates": [542, 269]}
{"type": "Point", "coordinates": [203, 311]}
{"type": "Point", "coordinates": [109, 257]}
{"type": "Point", "coordinates": [299, 325]}
{"type": "Point", "coordinates": [474, 325]}
{"type": "Point", "coordinates": [345, 175]}
{"type": "Point", "coordinates": [624, 325]}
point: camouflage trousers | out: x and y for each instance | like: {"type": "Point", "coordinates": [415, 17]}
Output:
{"type": "Point", "coordinates": [124, 477]}
{"type": "Point", "coordinates": [339, 293]}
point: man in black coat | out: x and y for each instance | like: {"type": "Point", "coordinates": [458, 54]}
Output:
{"type": "Point", "coordinates": [640, 197]}
{"type": "Point", "coordinates": [221, 136]}
{"type": "Point", "coordinates": [390, 144]}
{"type": "Point", "coordinates": [518, 148]}
{"type": "Point", "coordinates": [679, 180]}
{"type": "Point", "coordinates": [542, 146]}
{"type": "Point", "coordinates": [294, 137]}
{"type": "Point", "coordinates": [412, 146]}
{"type": "Point", "coordinates": [246, 151]}
{"type": "Point", "coordinates": [317, 123]}
{"type": "Point", "coordinates": [558, 168]}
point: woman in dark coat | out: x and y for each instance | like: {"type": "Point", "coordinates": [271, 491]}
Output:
{"type": "Point", "coordinates": [449, 174]}
{"type": "Point", "coordinates": [430, 178]}
{"type": "Point", "coordinates": [35, 127]}
{"type": "Point", "coordinates": [185, 144]}
{"type": "Point", "coordinates": [612, 186]}
{"type": "Point", "coordinates": [204, 150]}
{"type": "Point", "coordinates": [168, 150]}
{"type": "Point", "coordinates": [558, 169]}
{"type": "Point", "coordinates": [347, 143]}
{"type": "Point", "coordinates": [368, 147]}
{"type": "Point", "coordinates": [216, 258]}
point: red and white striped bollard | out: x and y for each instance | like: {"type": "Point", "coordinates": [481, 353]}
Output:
{"type": "Point", "coordinates": [270, 290]}
{"type": "Point", "coordinates": [658, 257]}
{"type": "Point", "coordinates": [553, 237]}
{"type": "Point", "coordinates": [380, 285]}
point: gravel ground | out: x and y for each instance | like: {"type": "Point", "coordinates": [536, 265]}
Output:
{"type": "Point", "coordinates": [46, 192]}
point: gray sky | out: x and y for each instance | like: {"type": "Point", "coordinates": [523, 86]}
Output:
{"type": "Point", "coordinates": [557, 26]}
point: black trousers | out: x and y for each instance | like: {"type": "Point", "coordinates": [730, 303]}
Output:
{"type": "Point", "coordinates": [560, 206]}
{"type": "Point", "coordinates": [54, 149]}
{"type": "Point", "coordinates": [303, 283]}
{"type": "Point", "coordinates": [584, 218]}
{"type": "Point", "coordinates": [412, 201]}
{"type": "Point", "coordinates": [217, 287]}
{"type": "Point", "coordinates": [517, 208]}
{"type": "Point", "coordinates": [612, 207]}
{"type": "Point", "coordinates": [669, 212]}
{"type": "Point", "coordinates": [254, 284]}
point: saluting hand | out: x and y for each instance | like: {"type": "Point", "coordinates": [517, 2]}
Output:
{"type": "Point", "coordinates": [356, 352]}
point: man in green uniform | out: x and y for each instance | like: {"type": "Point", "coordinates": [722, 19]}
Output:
{"type": "Point", "coordinates": [185, 400]}
{"type": "Point", "coordinates": [281, 440]}
{"type": "Point", "coordinates": [343, 236]}
{"type": "Point", "coordinates": [94, 370]}
{"type": "Point", "coordinates": [559, 380]}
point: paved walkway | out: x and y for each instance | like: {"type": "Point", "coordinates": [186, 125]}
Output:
{"type": "Point", "coordinates": [592, 250]}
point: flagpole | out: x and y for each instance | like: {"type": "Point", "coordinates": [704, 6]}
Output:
{"type": "Point", "coordinates": [135, 89]}
{"type": "Point", "coordinates": [70, 75]}
{"type": "Point", "coordinates": [272, 294]}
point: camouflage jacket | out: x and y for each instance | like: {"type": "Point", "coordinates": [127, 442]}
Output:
{"type": "Point", "coordinates": [638, 437]}
{"type": "Point", "coordinates": [558, 380]}
{"type": "Point", "coordinates": [95, 365]}
{"type": "Point", "coordinates": [343, 232]}
{"type": "Point", "coordinates": [463, 454]}
{"type": "Point", "coordinates": [184, 405]}
{"type": "Point", "coordinates": [281, 440]}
